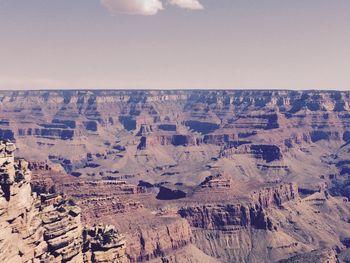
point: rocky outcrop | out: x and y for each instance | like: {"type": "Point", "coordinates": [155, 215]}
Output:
{"type": "Point", "coordinates": [227, 231]}
{"type": "Point", "coordinates": [256, 121]}
{"type": "Point", "coordinates": [46, 227]}
{"type": "Point", "coordinates": [103, 244]}
{"type": "Point", "coordinates": [244, 214]}
{"type": "Point", "coordinates": [100, 199]}
{"type": "Point", "coordinates": [62, 228]}
{"type": "Point", "coordinates": [146, 244]}
{"type": "Point", "coordinates": [102, 188]}
{"type": "Point", "coordinates": [276, 195]}
{"type": "Point", "coordinates": [268, 153]}
{"type": "Point", "coordinates": [176, 140]}
{"type": "Point", "coordinates": [227, 216]}
{"type": "Point", "coordinates": [215, 182]}
{"type": "Point", "coordinates": [41, 181]}
{"type": "Point", "coordinates": [49, 132]}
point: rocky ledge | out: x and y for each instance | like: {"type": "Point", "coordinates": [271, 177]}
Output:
{"type": "Point", "coordinates": [46, 227]}
{"type": "Point", "coordinates": [251, 212]}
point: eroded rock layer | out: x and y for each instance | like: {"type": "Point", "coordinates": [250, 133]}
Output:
{"type": "Point", "coordinates": [46, 227]}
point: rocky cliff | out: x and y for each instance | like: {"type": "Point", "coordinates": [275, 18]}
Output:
{"type": "Point", "coordinates": [244, 213]}
{"type": "Point", "coordinates": [158, 241]}
{"type": "Point", "coordinates": [46, 227]}
{"type": "Point", "coordinates": [225, 217]}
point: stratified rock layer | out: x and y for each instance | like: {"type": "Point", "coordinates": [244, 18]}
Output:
{"type": "Point", "coordinates": [46, 228]}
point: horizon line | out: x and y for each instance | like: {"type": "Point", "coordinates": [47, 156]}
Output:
{"type": "Point", "coordinates": [171, 89]}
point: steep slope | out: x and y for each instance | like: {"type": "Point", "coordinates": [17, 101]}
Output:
{"type": "Point", "coordinates": [46, 228]}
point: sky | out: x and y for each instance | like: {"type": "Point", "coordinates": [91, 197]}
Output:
{"type": "Point", "coordinates": [175, 44]}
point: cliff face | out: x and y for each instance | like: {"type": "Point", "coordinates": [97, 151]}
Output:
{"type": "Point", "coordinates": [46, 228]}
{"type": "Point", "coordinates": [224, 217]}
{"type": "Point", "coordinates": [276, 195]}
{"type": "Point", "coordinates": [147, 244]}
{"type": "Point", "coordinates": [243, 214]}
{"type": "Point", "coordinates": [244, 229]}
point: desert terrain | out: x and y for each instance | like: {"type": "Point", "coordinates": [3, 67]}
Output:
{"type": "Point", "coordinates": [175, 176]}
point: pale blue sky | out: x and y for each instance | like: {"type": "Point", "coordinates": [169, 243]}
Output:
{"type": "Point", "coordinates": [300, 44]}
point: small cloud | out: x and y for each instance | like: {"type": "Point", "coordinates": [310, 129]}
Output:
{"type": "Point", "coordinates": [188, 4]}
{"type": "Point", "coordinates": [133, 7]}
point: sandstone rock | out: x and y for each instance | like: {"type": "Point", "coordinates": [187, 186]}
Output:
{"type": "Point", "coordinates": [150, 243]}
{"type": "Point", "coordinates": [225, 217]}
{"type": "Point", "coordinates": [46, 228]}
{"type": "Point", "coordinates": [276, 195]}
{"type": "Point", "coordinates": [103, 244]}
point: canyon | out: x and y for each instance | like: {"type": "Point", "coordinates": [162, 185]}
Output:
{"type": "Point", "coordinates": [175, 176]}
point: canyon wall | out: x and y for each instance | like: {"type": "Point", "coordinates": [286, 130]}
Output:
{"type": "Point", "coordinates": [83, 130]}
{"type": "Point", "coordinates": [225, 115]}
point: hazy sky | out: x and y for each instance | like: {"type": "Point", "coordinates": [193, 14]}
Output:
{"type": "Point", "coordinates": [295, 44]}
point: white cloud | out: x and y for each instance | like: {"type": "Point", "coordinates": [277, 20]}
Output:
{"type": "Point", "coordinates": [146, 7]}
{"type": "Point", "coordinates": [133, 7]}
{"type": "Point", "coordinates": [187, 4]}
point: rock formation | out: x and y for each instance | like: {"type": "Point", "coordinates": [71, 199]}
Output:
{"type": "Point", "coordinates": [46, 227]}
{"type": "Point", "coordinates": [230, 176]}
